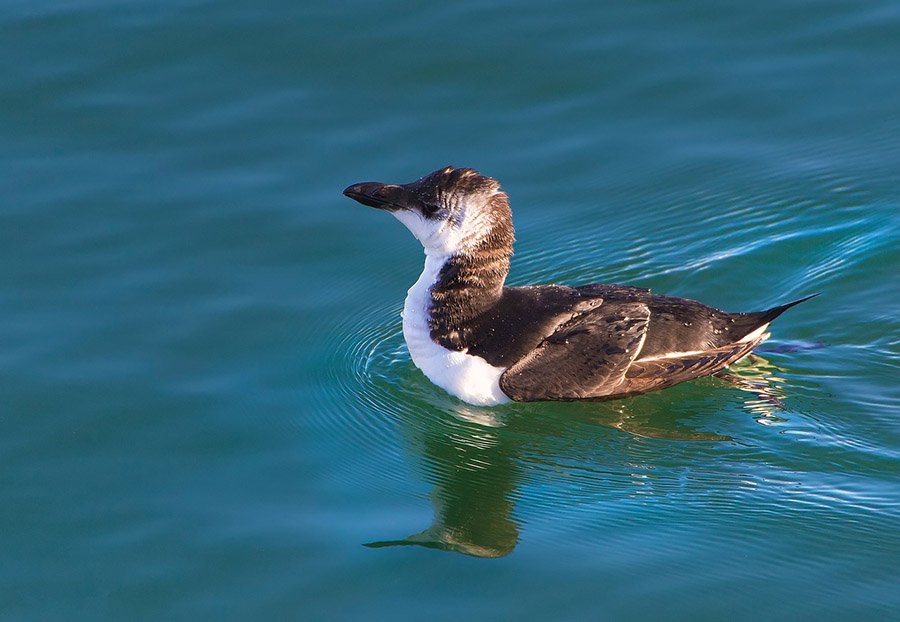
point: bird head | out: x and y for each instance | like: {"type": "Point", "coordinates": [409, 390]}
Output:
{"type": "Point", "coordinates": [448, 211]}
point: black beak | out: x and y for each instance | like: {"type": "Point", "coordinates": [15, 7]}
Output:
{"type": "Point", "coordinates": [388, 197]}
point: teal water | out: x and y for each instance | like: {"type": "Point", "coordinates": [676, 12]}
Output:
{"type": "Point", "coordinates": [206, 406]}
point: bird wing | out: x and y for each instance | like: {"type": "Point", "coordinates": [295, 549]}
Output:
{"type": "Point", "coordinates": [648, 374]}
{"type": "Point", "coordinates": [585, 357]}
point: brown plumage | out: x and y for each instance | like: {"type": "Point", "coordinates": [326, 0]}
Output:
{"type": "Point", "coordinates": [545, 342]}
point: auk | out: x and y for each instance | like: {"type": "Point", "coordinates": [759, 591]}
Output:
{"type": "Point", "coordinates": [487, 344]}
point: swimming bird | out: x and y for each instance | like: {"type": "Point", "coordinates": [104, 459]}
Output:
{"type": "Point", "coordinates": [488, 344]}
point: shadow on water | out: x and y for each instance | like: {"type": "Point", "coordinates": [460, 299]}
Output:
{"type": "Point", "coordinates": [480, 459]}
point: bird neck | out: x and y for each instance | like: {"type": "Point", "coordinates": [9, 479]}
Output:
{"type": "Point", "coordinates": [466, 285]}
{"type": "Point", "coordinates": [458, 286]}
{"type": "Point", "coordinates": [470, 280]}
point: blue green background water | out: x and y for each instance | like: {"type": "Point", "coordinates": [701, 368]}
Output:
{"type": "Point", "coordinates": [206, 407]}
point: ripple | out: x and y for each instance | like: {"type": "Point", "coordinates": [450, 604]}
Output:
{"type": "Point", "coordinates": [355, 348]}
{"type": "Point", "coordinates": [763, 430]}
{"type": "Point", "coordinates": [750, 233]}
{"type": "Point", "coordinates": [382, 395]}
{"type": "Point", "coordinates": [522, 462]}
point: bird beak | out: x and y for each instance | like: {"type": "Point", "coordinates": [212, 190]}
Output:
{"type": "Point", "coordinates": [388, 197]}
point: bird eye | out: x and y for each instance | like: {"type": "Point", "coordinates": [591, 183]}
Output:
{"type": "Point", "coordinates": [429, 209]}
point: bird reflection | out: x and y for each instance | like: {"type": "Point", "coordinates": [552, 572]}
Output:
{"type": "Point", "coordinates": [474, 454]}
{"type": "Point", "coordinates": [759, 377]}
{"type": "Point", "coordinates": [476, 475]}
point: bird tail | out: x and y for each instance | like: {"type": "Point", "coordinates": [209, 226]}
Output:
{"type": "Point", "coordinates": [767, 316]}
{"type": "Point", "coordinates": [752, 325]}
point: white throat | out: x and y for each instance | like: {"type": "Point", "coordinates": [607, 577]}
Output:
{"type": "Point", "coordinates": [465, 376]}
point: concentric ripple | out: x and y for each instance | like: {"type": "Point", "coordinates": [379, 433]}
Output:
{"type": "Point", "coordinates": [496, 474]}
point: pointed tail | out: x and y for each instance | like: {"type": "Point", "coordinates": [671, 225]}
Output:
{"type": "Point", "coordinates": [767, 316]}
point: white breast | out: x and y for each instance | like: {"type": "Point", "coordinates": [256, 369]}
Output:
{"type": "Point", "coordinates": [465, 376]}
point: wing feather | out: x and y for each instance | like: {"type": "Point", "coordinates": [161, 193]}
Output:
{"type": "Point", "coordinates": [585, 357]}
{"type": "Point", "coordinates": [661, 372]}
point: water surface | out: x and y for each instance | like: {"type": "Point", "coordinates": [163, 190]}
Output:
{"type": "Point", "coordinates": [206, 406]}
